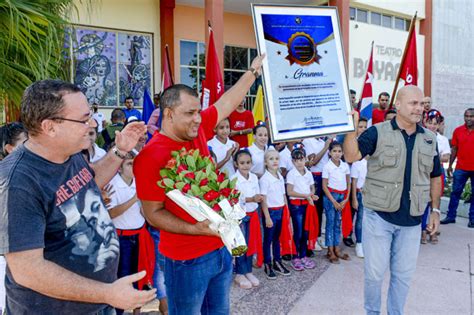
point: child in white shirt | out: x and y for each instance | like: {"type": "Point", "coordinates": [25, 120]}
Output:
{"type": "Point", "coordinates": [258, 148]}
{"type": "Point", "coordinates": [223, 147]}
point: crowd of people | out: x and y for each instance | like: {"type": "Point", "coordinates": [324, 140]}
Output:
{"type": "Point", "coordinates": [81, 204]}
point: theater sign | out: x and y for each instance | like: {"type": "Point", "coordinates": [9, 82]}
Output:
{"type": "Point", "coordinates": [388, 51]}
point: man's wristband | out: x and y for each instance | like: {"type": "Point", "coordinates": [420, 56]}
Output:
{"type": "Point", "coordinates": [436, 210]}
{"type": "Point", "coordinates": [119, 154]}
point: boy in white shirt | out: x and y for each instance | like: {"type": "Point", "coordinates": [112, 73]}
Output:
{"type": "Point", "coordinates": [358, 175]}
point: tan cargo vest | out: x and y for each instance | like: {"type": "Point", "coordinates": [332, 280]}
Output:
{"type": "Point", "coordinates": [386, 168]}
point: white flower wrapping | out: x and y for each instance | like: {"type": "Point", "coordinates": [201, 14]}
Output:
{"type": "Point", "coordinates": [228, 228]}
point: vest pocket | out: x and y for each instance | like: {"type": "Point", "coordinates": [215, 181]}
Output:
{"type": "Point", "coordinates": [389, 157]}
{"type": "Point", "coordinates": [380, 195]}
{"type": "Point", "coordinates": [426, 162]}
{"type": "Point", "coordinates": [421, 196]}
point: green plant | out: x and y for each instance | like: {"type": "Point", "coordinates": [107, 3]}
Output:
{"type": "Point", "coordinates": [466, 195]}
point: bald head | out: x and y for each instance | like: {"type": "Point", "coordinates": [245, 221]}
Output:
{"type": "Point", "coordinates": [409, 104]}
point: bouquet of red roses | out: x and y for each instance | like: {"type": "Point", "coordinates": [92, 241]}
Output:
{"type": "Point", "coordinates": [194, 183]}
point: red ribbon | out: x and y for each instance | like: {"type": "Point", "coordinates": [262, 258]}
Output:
{"type": "Point", "coordinates": [287, 244]}
{"type": "Point", "coordinates": [311, 225]}
{"type": "Point", "coordinates": [146, 253]}
{"type": "Point", "coordinates": [255, 238]}
{"type": "Point", "coordinates": [346, 214]}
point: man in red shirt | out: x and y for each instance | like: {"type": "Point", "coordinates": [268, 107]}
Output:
{"type": "Point", "coordinates": [241, 124]}
{"type": "Point", "coordinates": [462, 147]}
{"type": "Point", "coordinates": [197, 266]}
{"type": "Point", "coordinates": [378, 114]}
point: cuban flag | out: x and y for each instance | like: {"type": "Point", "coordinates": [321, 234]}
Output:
{"type": "Point", "coordinates": [366, 96]}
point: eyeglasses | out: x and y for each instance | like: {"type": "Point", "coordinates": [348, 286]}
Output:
{"type": "Point", "coordinates": [87, 122]}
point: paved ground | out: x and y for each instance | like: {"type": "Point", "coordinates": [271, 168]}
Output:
{"type": "Point", "coordinates": [443, 283]}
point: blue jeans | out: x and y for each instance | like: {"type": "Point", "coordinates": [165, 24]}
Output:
{"type": "Point", "coordinates": [200, 285]}
{"type": "Point", "coordinates": [300, 236]}
{"type": "Point", "coordinates": [158, 275]}
{"type": "Point", "coordinates": [318, 183]}
{"type": "Point", "coordinates": [426, 215]}
{"type": "Point", "coordinates": [128, 260]}
{"type": "Point", "coordinates": [333, 220]}
{"type": "Point", "coordinates": [388, 245]}
{"type": "Point", "coordinates": [459, 181]}
{"type": "Point", "coordinates": [271, 237]}
{"type": "Point", "coordinates": [243, 264]}
{"type": "Point", "coordinates": [109, 310]}
{"type": "Point", "coordinates": [360, 216]}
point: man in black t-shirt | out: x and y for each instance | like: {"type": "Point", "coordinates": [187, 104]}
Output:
{"type": "Point", "coordinates": [403, 174]}
{"type": "Point", "coordinates": [55, 232]}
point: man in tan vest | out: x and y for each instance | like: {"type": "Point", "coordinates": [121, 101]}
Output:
{"type": "Point", "coordinates": [403, 172]}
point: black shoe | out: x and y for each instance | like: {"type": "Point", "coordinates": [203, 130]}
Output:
{"type": "Point", "coordinates": [448, 220]}
{"type": "Point", "coordinates": [470, 224]}
{"type": "Point", "coordinates": [348, 242]}
{"type": "Point", "coordinates": [309, 253]}
{"type": "Point", "coordinates": [280, 268]}
{"type": "Point", "coordinates": [269, 272]}
{"type": "Point", "coordinates": [286, 257]}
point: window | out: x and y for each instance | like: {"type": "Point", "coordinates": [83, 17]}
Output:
{"type": "Point", "coordinates": [110, 65]}
{"type": "Point", "coordinates": [362, 16]}
{"type": "Point", "coordinates": [236, 61]}
{"type": "Point", "coordinates": [387, 21]}
{"type": "Point", "coordinates": [407, 25]}
{"type": "Point", "coordinates": [400, 23]}
{"type": "Point", "coordinates": [352, 13]}
{"type": "Point", "coordinates": [192, 64]}
{"type": "Point", "coordinates": [375, 18]}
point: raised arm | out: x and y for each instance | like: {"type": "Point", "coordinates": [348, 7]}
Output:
{"type": "Point", "coordinates": [351, 146]}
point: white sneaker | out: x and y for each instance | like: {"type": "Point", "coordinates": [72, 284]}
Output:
{"type": "Point", "coordinates": [322, 242]}
{"type": "Point", "coordinates": [359, 250]}
{"type": "Point", "coordinates": [243, 282]}
{"type": "Point", "coordinates": [253, 280]}
{"type": "Point", "coordinates": [317, 247]}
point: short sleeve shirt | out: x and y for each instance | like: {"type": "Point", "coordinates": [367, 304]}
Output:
{"type": "Point", "coordinates": [301, 183]}
{"type": "Point", "coordinates": [57, 208]}
{"type": "Point", "coordinates": [258, 165]}
{"type": "Point", "coordinates": [146, 168]}
{"type": "Point", "coordinates": [359, 172]}
{"type": "Point", "coordinates": [132, 218]}
{"type": "Point", "coordinates": [315, 146]}
{"type": "Point", "coordinates": [285, 159]}
{"type": "Point", "coordinates": [220, 150]}
{"type": "Point", "coordinates": [240, 121]}
{"type": "Point", "coordinates": [248, 188]}
{"type": "Point", "coordinates": [274, 189]}
{"type": "Point", "coordinates": [463, 140]}
{"type": "Point", "coordinates": [336, 175]}
{"type": "Point", "coordinates": [443, 144]}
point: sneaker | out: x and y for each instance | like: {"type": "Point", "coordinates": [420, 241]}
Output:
{"type": "Point", "coordinates": [297, 264]}
{"type": "Point", "coordinates": [359, 250]}
{"type": "Point", "coordinates": [309, 253]}
{"type": "Point", "coordinates": [269, 272]}
{"type": "Point", "coordinates": [318, 247]}
{"type": "Point", "coordinates": [243, 282]}
{"type": "Point", "coordinates": [322, 243]}
{"type": "Point", "coordinates": [286, 257]}
{"type": "Point", "coordinates": [280, 268]}
{"type": "Point", "coordinates": [308, 263]}
{"type": "Point", "coordinates": [448, 221]}
{"type": "Point", "coordinates": [348, 241]}
{"type": "Point", "coordinates": [255, 282]}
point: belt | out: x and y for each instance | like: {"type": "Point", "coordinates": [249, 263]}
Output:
{"type": "Point", "coordinates": [317, 173]}
{"type": "Point", "coordinates": [298, 202]}
{"type": "Point", "coordinates": [275, 208]}
{"type": "Point", "coordinates": [121, 232]}
{"type": "Point", "coordinates": [359, 189]}
{"type": "Point", "coordinates": [338, 191]}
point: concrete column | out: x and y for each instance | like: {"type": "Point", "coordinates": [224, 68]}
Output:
{"type": "Point", "coordinates": [426, 29]}
{"type": "Point", "coordinates": [167, 31]}
{"type": "Point", "coordinates": [214, 13]}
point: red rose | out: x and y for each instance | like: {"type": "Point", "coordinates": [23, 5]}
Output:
{"type": "Point", "coordinates": [220, 177]}
{"type": "Point", "coordinates": [181, 168]}
{"type": "Point", "coordinates": [234, 201]}
{"type": "Point", "coordinates": [211, 195]}
{"type": "Point", "coordinates": [171, 164]}
{"type": "Point", "coordinates": [203, 182]}
{"type": "Point", "coordinates": [225, 192]}
{"type": "Point", "coordinates": [189, 175]}
{"type": "Point", "coordinates": [216, 208]}
{"type": "Point", "coordinates": [186, 188]}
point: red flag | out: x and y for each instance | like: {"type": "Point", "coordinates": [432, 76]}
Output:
{"type": "Point", "coordinates": [167, 78]}
{"type": "Point", "coordinates": [213, 86]}
{"type": "Point", "coordinates": [408, 68]}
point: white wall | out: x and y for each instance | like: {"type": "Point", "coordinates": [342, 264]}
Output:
{"type": "Point", "coordinates": [396, 7]}
{"type": "Point", "coordinates": [388, 50]}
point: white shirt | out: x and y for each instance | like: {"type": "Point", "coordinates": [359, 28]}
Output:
{"type": "Point", "coordinates": [258, 167]}
{"type": "Point", "coordinates": [99, 117]}
{"type": "Point", "coordinates": [336, 175]}
{"type": "Point", "coordinates": [359, 171]}
{"type": "Point", "coordinates": [312, 145]}
{"type": "Point", "coordinates": [98, 153]}
{"type": "Point", "coordinates": [274, 189]}
{"type": "Point", "coordinates": [301, 183]}
{"type": "Point", "coordinates": [285, 159]}
{"type": "Point", "coordinates": [220, 150]}
{"type": "Point", "coordinates": [248, 188]}
{"type": "Point", "coordinates": [443, 144]}
{"type": "Point", "coordinates": [132, 218]}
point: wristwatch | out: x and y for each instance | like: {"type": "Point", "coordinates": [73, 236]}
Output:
{"type": "Point", "coordinates": [254, 72]}
{"type": "Point", "coordinates": [116, 151]}
{"type": "Point", "coordinates": [436, 210]}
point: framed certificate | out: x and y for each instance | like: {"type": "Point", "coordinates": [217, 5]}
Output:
{"type": "Point", "coordinates": [304, 77]}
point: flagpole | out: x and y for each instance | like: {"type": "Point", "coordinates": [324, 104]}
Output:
{"type": "Point", "coordinates": [363, 81]}
{"type": "Point", "coordinates": [412, 25]}
{"type": "Point", "coordinates": [169, 64]}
